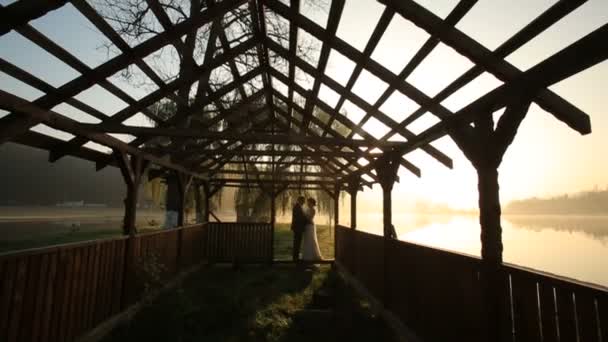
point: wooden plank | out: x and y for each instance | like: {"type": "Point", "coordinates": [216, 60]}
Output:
{"type": "Point", "coordinates": [99, 297]}
{"type": "Point", "coordinates": [8, 284]}
{"type": "Point", "coordinates": [548, 313]}
{"type": "Point", "coordinates": [480, 55]}
{"type": "Point", "coordinates": [30, 296]}
{"type": "Point", "coordinates": [586, 318]}
{"type": "Point", "coordinates": [17, 299]}
{"type": "Point", "coordinates": [525, 307]}
{"type": "Point", "coordinates": [566, 315]}
{"type": "Point", "coordinates": [63, 290]}
{"type": "Point", "coordinates": [72, 301]}
{"type": "Point", "coordinates": [602, 306]}
{"type": "Point", "coordinates": [23, 11]}
{"type": "Point", "coordinates": [92, 286]}
{"type": "Point", "coordinates": [116, 64]}
{"type": "Point", "coordinates": [117, 271]}
{"type": "Point", "coordinates": [49, 299]}
{"type": "Point", "coordinates": [83, 288]}
{"type": "Point", "coordinates": [41, 294]}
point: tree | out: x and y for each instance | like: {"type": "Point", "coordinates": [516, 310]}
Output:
{"type": "Point", "coordinates": [138, 20]}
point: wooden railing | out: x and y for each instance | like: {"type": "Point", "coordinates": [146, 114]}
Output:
{"type": "Point", "coordinates": [239, 242]}
{"type": "Point", "coordinates": [438, 293]}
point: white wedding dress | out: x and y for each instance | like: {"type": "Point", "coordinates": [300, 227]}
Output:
{"type": "Point", "coordinates": [310, 244]}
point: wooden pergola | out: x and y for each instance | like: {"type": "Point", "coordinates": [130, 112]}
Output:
{"type": "Point", "coordinates": [339, 154]}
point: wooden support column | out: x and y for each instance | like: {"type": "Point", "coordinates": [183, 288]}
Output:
{"type": "Point", "coordinates": [387, 175]}
{"type": "Point", "coordinates": [132, 170]}
{"type": "Point", "coordinates": [386, 170]}
{"type": "Point", "coordinates": [485, 147]}
{"type": "Point", "coordinates": [353, 189]}
{"type": "Point", "coordinates": [336, 199]}
{"type": "Point", "coordinates": [207, 192]}
{"type": "Point", "coordinates": [184, 181]}
{"type": "Point", "coordinates": [272, 191]}
{"type": "Point", "coordinates": [198, 202]}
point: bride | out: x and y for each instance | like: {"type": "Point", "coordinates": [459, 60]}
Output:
{"type": "Point", "coordinates": [310, 244]}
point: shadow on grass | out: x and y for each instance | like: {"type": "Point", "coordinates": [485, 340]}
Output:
{"type": "Point", "coordinates": [256, 303]}
{"type": "Point", "coordinates": [222, 304]}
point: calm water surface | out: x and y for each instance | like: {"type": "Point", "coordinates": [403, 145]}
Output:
{"type": "Point", "coordinates": [571, 246]}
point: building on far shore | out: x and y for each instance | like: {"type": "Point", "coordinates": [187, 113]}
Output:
{"type": "Point", "coordinates": [80, 204]}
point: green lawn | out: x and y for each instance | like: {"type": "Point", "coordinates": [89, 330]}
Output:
{"type": "Point", "coordinates": [256, 303]}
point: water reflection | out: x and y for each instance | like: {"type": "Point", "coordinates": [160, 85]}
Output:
{"type": "Point", "coordinates": [571, 246]}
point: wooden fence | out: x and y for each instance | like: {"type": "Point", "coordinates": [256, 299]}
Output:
{"type": "Point", "coordinates": [239, 242]}
{"type": "Point", "coordinates": [437, 293]}
{"type": "Point", "coordinates": [58, 293]}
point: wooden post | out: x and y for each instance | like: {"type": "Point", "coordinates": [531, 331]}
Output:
{"type": "Point", "coordinates": [207, 192]}
{"type": "Point", "coordinates": [132, 170]}
{"type": "Point", "coordinates": [387, 174]}
{"type": "Point", "coordinates": [336, 199]}
{"type": "Point", "coordinates": [485, 146]}
{"type": "Point", "coordinates": [353, 189]}
{"type": "Point", "coordinates": [198, 203]}
{"type": "Point", "coordinates": [184, 181]}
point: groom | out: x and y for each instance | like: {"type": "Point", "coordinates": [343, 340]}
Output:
{"type": "Point", "coordinates": [298, 223]}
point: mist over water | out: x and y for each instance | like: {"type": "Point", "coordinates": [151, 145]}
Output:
{"type": "Point", "coordinates": [570, 246]}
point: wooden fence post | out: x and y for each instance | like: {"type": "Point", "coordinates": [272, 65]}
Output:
{"type": "Point", "coordinates": [132, 170]}
{"type": "Point", "coordinates": [387, 173]}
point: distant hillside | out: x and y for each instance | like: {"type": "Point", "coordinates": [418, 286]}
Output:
{"type": "Point", "coordinates": [584, 203]}
{"type": "Point", "coordinates": [27, 178]}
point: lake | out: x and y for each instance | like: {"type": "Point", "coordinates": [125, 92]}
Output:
{"type": "Point", "coordinates": [571, 246]}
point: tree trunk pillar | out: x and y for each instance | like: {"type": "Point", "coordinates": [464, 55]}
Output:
{"type": "Point", "coordinates": [493, 284]}
{"type": "Point", "coordinates": [387, 175]}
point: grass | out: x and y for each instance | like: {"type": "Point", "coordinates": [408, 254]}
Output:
{"type": "Point", "coordinates": [256, 303]}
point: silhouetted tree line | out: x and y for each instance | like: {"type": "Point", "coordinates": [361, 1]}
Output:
{"type": "Point", "coordinates": [27, 178]}
{"type": "Point", "coordinates": [584, 203]}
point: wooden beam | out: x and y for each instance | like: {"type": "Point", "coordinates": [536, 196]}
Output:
{"type": "Point", "coordinates": [228, 136]}
{"type": "Point", "coordinates": [269, 181]}
{"type": "Point", "coordinates": [13, 125]}
{"type": "Point", "coordinates": [480, 55]}
{"type": "Point", "coordinates": [409, 166]}
{"type": "Point", "coordinates": [357, 100]}
{"type": "Point", "coordinates": [334, 16]}
{"type": "Point", "coordinates": [278, 153]}
{"type": "Point", "coordinates": [23, 11]}
{"type": "Point", "coordinates": [279, 173]}
{"type": "Point", "coordinates": [585, 53]}
{"type": "Point", "coordinates": [22, 107]}
{"type": "Point", "coordinates": [552, 15]}
{"type": "Point", "coordinates": [356, 56]}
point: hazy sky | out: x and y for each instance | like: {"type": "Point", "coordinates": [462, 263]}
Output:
{"type": "Point", "coordinates": [547, 157]}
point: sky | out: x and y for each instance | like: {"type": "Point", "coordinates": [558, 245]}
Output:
{"type": "Point", "coordinates": [547, 158]}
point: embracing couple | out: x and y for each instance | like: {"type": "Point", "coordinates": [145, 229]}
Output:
{"type": "Point", "coordinates": [305, 231]}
